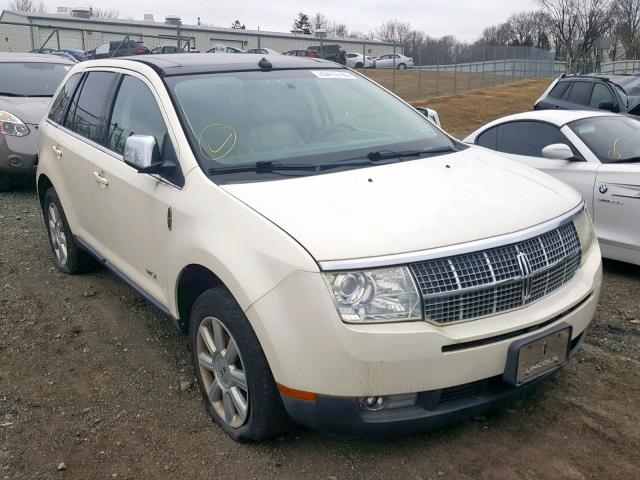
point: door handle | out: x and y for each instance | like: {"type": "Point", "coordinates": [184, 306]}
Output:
{"type": "Point", "coordinates": [100, 179]}
{"type": "Point", "coordinates": [57, 151]}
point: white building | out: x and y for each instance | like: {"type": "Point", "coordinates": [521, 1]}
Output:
{"type": "Point", "coordinates": [77, 29]}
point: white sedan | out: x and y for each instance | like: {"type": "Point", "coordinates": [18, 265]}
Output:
{"type": "Point", "coordinates": [392, 60]}
{"type": "Point", "coordinates": [357, 60]}
{"type": "Point", "coordinates": [597, 153]}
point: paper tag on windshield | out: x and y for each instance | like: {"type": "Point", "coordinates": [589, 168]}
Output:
{"type": "Point", "coordinates": [333, 74]}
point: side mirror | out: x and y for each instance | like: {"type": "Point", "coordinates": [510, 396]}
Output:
{"type": "Point", "coordinates": [431, 115]}
{"type": "Point", "coordinates": [607, 106]}
{"type": "Point", "coordinates": [558, 151]}
{"type": "Point", "coordinates": [141, 152]}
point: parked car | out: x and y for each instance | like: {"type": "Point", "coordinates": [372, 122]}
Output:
{"type": "Point", "coordinates": [263, 51]}
{"type": "Point", "coordinates": [166, 49]}
{"type": "Point", "coordinates": [225, 49]}
{"type": "Point", "coordinates": [27, 83]}
{"type": "Point", "coordinates": [119, 48]}
{"type": "Point", "coordinates": [614, 93]}
{"type": "Point", "coordinates": [64, 55]}
{"type": "Point", "coordinates": [77, 55]}
{"type": "Point", "coordinates": [301, 53]}
{"type": "Point", "coordinates": [393, 61]}
{"type": "Point", "coordinates": [597, 153]}
{"type": "Point", "coordinates": [335, 53]}
{"type": "Point", "coordinates": [334, 257]}
{"type": "Point", "coordinates": [357, 60]}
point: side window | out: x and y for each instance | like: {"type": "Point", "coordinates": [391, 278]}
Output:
{"type": "Point", "coordinates": [135, 111]}
{"type": "Point", "coordinates": [558, 90]}
{"type": "Point", "coordinates": [580, 93]}
{"type": "Point", "coordinates": [488, 139]}
{"type": "Point", "coordinates": [61, 103]}
{"type": "Point", "coordinates": [528, 138]}
{"type": "Point", "coordinates": [88, 112]}
{"type": "Point", "coordinates": [601, 93]}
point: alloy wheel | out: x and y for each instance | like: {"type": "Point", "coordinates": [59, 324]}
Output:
{"type": "Point", "coordinates": [222, 372]}
{"type": "Point", "coordinates": [58, 237]}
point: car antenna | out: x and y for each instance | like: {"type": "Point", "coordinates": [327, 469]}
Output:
{"type": "Point", "coordinates": [265, 64]}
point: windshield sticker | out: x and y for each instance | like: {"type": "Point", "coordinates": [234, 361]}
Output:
{"type": "Point", "coordinates": [217, 140]}
{"type": "Point", "coordinates": [333, 75]}
{"type": "Point", "coordinates": [586, 129]}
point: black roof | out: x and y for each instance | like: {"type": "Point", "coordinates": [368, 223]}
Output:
{"type": "Point", "coordinates": [615, 78]}
{"type": "Point", "coordinates": [188, 63]}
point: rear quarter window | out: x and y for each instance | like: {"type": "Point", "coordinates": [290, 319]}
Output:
{"type": "Point", "coordinates": [61, 103]}
{"type": "Point", "coordinates": [559, 90]}
{"type": "Point", "coordinates": [580, 93]}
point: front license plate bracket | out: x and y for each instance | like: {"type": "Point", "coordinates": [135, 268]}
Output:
{"type": "Point", "coordinates": [537, 355]}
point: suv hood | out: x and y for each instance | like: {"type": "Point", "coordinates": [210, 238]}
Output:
{"type": "Point", "coordinates": [28, 109]}
{"type": "Point", "coordinates": [409, 206]}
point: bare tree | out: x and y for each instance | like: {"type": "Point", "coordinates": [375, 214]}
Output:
{"type": "Point", "coordinates": [564, 19]}
{"type": "Point", "coordinates": [595, 21]}
{"type": "Point", "coordinates": [627, 16]}
{"type": "Point", "coordinates": [318, 22]}
{"type": "Point", "coordinates": [496, 35]}
{"type": "Point", "coordinates": [237, 25]}
{"type": "Point", "coordinates": [393, 31]}
{"type": "Point", "coordinates": [108, 13]}
{"type": "Point", "coordinates": [523, 28]}
{"type": "Point", "coordinates": [33, 6]}
{"type": "Point", "coordinates": [339, 30]}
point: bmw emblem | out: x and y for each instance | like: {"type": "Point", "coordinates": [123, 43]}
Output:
{"type": "Point", "coordinates": [603, 189]}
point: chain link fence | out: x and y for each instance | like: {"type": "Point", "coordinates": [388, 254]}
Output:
{"type": "Point", "coordinates": [431, 72]}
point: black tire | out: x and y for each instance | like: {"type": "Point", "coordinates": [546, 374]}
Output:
{"type": "Point", "coordinates": [266, 414]}
{"type": "Point", "coordinates": [402, 66]}
{"type": "Point", "coordinates": [359, 65]}
{"type": "Point", "coordinates": [6, 182]}
{"type": "Point", "coordinates": [77, 259]}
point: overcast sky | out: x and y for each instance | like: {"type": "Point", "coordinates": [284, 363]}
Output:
{"type": "Point", "coordinates": [463, 18]}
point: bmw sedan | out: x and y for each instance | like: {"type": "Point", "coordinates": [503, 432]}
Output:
{"type": "Point", "coordinates": [595, 152]}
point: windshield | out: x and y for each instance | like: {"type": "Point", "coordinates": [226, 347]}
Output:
{"type": "Point", "coordinates": [31, 79]}
{"type": "Point", "coordinates": [301, 117]}
{"type": "Point", "coordinates": [611, 139]}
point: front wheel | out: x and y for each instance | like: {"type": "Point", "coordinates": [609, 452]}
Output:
{"type": "Point", "coordinates": [402, 66]}
{"type": "Point", "coordinates": [239, 391]}
{"type": "Point", "coordinates": [359, 65]}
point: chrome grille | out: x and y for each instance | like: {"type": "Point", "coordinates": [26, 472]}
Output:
{"type": "Point", "coordinates": [479, 284]}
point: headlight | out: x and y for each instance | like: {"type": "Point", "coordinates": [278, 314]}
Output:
{"type": "Point", "coordinates": [12, 125]}
{"type": "Point", "coordinates": [369, 296]}
{"type": "Point", "coordinates": [584, 227]}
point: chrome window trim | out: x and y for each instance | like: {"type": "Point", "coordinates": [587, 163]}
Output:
{"type": "Point", "coordinates": [451, 250]}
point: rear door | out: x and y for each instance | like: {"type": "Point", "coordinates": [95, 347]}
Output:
{"type": "Point", "coordinates": [134, 208]}
{"type": "Point", "coordinates": [523, 142]}
{"type": "Point", "coordinates": [73, 145]}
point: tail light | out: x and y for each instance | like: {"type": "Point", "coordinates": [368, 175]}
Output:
{"type": "Point", "coordinates": [141, 50]}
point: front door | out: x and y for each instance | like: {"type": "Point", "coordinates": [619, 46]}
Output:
{"type": "Point", "coordinates": [133, 208]}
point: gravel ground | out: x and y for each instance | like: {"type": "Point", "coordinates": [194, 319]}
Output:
{"type": "Point", "coordinates": [95, 384]}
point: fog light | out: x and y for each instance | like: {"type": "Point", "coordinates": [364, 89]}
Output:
{"type": "Point", "coordinates": [373, 404]}
{"type": "Point", "coordinates": [15, 161]}
{"type": "Point", "coordinates": [387, 402]}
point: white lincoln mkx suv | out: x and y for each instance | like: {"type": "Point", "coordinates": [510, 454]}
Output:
{"type": "Point", "coordinates": [336, 259]}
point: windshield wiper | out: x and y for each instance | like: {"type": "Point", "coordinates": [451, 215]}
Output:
{"type": "Point", "coordinates": [270, 167]}
{"type": "Point", "coordinates": [390, 154]}
{"type": "Point", "coordinates": [9, 94]}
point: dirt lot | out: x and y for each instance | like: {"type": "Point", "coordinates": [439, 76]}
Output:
{"type": "Point", "coordinates": [90, 377]}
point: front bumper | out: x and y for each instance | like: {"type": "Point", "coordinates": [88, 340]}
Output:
{"type": "Point", "coordinates": [432, 409]}
{"type": "Point", "coordinates": [19, 155]}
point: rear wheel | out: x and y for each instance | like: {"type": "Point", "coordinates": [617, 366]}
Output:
{"type": "Point", "coordinates": [239, 391]}
{"type": "Point", "coordinates": [6, 182]}
{"type": "Point", "coordinates": [68, 255]}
